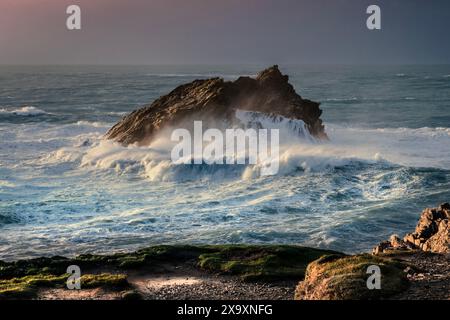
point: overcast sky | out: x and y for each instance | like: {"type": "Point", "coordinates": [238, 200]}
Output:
{"type": "Point", "coordinates": [224, 31]}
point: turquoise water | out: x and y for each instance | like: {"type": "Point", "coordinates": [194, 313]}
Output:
{"type": "Point", "coordinates": [64, 190]}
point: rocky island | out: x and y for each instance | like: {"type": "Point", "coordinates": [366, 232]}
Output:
{"type": "Point", "coordinates": [214, 99]}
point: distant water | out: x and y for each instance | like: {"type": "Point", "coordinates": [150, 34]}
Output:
{"type": "Point", "coordinates": [65, 191]}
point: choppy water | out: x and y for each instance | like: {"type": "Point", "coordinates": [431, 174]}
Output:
{"type": "Point", "coordinates": [64, 191]}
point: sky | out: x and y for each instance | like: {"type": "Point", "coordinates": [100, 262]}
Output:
{"type": "Point", "coordinates": [224, 32]}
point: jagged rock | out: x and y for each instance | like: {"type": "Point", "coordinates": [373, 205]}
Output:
{"type": "Point", "coordinates": [431, 234]}
{"type": "Point", "coordinates": [394, 243]}
{"type": "Point", "coordinates": [207, 100]}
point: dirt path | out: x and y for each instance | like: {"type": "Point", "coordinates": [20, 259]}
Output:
{"type": "Point", "coordinates": [202, 286]}
{"type": "Point", "coordinates": [186, 284]}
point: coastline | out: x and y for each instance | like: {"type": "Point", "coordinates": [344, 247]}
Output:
{"type": "Point", "coordinates": [240, 271]}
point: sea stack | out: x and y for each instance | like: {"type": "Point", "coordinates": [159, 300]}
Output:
{"type": "Point", "coordinates": [214, 99]}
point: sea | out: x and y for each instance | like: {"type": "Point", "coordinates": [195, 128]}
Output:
{"type": "Point", "coordinates": [65, 190]}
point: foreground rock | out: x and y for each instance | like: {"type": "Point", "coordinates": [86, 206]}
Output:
{"type": "Point", "coordinates": [345, 278]}
{"type": "Point", "coordinates": [243, 272]}
{"type": "Point", "coordinates": [215, 99]}
{"type": "Point", "coordinates": [415, 267]}
{"type": "Point", "coordinates": [208, 267]}
{"type": "Point", "coordinates": [431, 234]}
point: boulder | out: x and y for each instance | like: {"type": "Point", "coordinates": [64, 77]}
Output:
{"type": "Point", "coordinates": [338, 277]}
{"type": "Point", "coordinates": [215, 99]}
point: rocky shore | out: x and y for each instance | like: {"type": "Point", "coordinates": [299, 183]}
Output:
{"type": "Point", "coordinates": [415, 267]}
{"type": "Point", "coordinates": [419, 271]}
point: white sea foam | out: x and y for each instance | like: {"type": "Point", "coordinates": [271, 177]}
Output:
{"type": "Point", "coordinates": [24, 111]}
{"type": "Point", "coordinates": [422, 147]}
{"type": "Point", "coordinates": [82, 144]}
{"type": "Point", "coordinates": [342, 99]}
{"type": "Point", "coordinates": [293, 130]}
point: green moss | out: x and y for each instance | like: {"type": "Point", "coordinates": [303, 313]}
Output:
{"type": "Point", "coordinates": [21, 268]}
{"type": "Point", "coordinates": [252, 262]}
{"type": "Point", "coordinates": [26, 287]}
{"type": "Point", "coordinates": [260, 262]}
{"type": "Point", "coordinates": [104, 280]}
{"type": "Point", "coordinates": [345, 278]}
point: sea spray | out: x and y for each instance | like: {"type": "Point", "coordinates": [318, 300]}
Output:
{"type": "Point", "coordinates": [230, 148]}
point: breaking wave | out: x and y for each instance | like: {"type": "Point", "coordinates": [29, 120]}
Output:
{"type": "Point", "coordinates": [24, 111]}
{"type": "Point", "coordinates": [300, 153]}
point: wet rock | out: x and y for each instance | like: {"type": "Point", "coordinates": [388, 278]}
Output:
{"type": "Point", "coordinates": [215, 99]}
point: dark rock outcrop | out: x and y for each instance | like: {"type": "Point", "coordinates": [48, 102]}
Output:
{"type": "Point", "coordinates": [270, 93]}
{"type": "Point", "coordinates": [432, 234]}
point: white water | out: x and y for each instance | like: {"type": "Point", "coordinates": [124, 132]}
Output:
{"type": "Point", "coordinates": [64, 190]}
{"type": "Point", "coordinates": [24, 111]}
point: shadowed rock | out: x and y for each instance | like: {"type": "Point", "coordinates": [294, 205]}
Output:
{"type": "Point", "coordinates": [216, 99]}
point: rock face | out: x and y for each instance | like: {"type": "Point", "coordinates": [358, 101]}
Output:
{"type": "Point", "coordinates": [432, 234]}
{"type": "Point", "coordinates": [409, 267]}
{"type": "Point", "coordinates": [270, 93]}
{"type": "Point", "coordinates": [338, 277]}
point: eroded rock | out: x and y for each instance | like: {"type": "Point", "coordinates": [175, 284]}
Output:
{"type": "Point", "coordinates": [215, 99]}
{"type": "Point", "coordinates": [431, 234]}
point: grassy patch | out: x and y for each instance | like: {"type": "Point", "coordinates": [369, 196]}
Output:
{"type": "Point", "coordinates": [104, 280]}
{"type": "Point", "coordinates": [260, 262]}
{"type": "Point", "coordinates": [251, 262]}
{"type": "Point", "coordinates": [28, 286]}
{"type": "Point", "coordinates": [339, 277]}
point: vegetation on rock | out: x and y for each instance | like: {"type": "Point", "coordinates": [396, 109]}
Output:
{"type": "Point", "coordinates": [338, 277]}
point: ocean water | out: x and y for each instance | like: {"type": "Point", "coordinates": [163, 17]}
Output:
{"type": "Point", "coordinates": [64, 190]}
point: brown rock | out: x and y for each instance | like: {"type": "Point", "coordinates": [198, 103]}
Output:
{"type": "Point", "coordinates": [431, 234]}
{"type": "Point", "coordinates": [216, 99]}
{"type": "Point", "coordinates": [337, 277]}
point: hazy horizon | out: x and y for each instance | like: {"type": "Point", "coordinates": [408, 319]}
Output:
{"type": "Point", "coordinates": [201, 32]}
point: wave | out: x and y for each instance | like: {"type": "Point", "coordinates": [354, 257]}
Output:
{"type": "Point", "coordinates": [288, 128]}
{"type": "Point", "coordinates": [25, 111]}
{"type": "Point", "coordinates": [351, 99]}
{"type": "Point", "coordinates": [349, 148]}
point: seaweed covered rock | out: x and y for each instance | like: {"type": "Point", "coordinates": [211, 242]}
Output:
{"type": "Point", "coordinates": [338, 277]}
{"type": "Point", "coordinates": [431, 234]}
{"type": "Point", "coordinates": [255, 263]}
{"type": "Point", "coordinates": [28, 287]}
{"type": "Point", "coordinates": [25, 278]}
{"type": "Point", "coordinates": [213, 100]}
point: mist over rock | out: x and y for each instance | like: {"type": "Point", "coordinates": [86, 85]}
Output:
{"type": "Point", "coordinates": [213, 100]}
